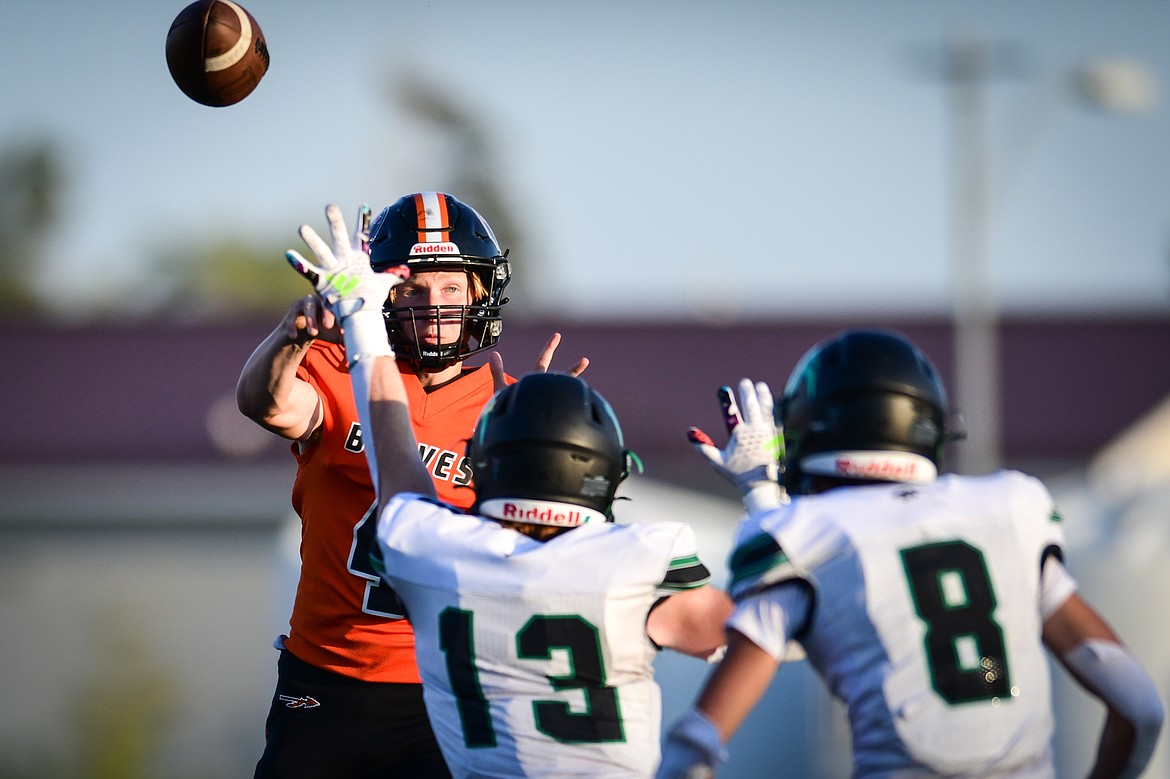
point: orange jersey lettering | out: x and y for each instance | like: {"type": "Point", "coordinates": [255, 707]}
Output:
{"type": "Point", "coordinates": [345, 619]}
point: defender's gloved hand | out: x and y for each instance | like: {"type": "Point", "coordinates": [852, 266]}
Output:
{"type": "Point", "coordinates": [693, 749]}
{"type": "Point", "coordinates": [751, 459]}
{"type": "Point", "coordinates": [344, 280]}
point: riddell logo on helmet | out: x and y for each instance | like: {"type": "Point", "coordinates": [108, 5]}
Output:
{"type": "Point", "coordinates": [875, 465]}
{"type": "Point", "coordinates": [545, 516]}
{"type": "Point", "coordinates": [890, 470]}
{"type": "Point", "coordinates": [446, 247]}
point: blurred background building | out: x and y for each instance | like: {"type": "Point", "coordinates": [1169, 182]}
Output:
{"type": "Point", "coordinates": [148, 549]}
{"type": "Point", "coordinates": [692, 192]}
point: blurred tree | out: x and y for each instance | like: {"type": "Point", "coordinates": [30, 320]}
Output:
{"type": "Point", "coordinates": [31, 191]}
{"type": "Point", "coordinates": [233, 277]}
{"type": "Point", "coordinates": [241, 277]}
{"type": "Point", "coordinates": [124, 709]}
{"type": "Point", "coordinates": [242, 282]}
{"type": "Point", "coordinates": [472, 166]}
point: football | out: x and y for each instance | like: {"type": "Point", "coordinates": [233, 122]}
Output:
{"type": "Point", "coordinates": [216, 52]}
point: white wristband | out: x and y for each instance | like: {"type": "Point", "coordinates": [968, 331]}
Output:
{"type": "Point", "coordinates": [764, 496]}
{"type": "Point", "coordinates": [365, 336]}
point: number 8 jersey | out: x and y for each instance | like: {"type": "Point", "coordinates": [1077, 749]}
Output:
{"type": "Point", "coordinates": [534, 656]}
{"type": "Point", "coordinates": [924, 616]}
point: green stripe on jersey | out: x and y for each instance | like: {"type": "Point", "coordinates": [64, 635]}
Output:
{"type": "Point", "coordinates": [685, 573]}
{"type": "Point", "coordinates": [755, 556]}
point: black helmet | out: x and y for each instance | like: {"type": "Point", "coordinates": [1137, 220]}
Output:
{"type": "Point", "coordinates": [545, 448]}
{"type": "Point", "coordinates": [433, 231]}
{"type": "Point", "coordinates": [864, 404]}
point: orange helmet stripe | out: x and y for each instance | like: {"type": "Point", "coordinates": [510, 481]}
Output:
{"type": "Point", "coordinates": [431, 208]}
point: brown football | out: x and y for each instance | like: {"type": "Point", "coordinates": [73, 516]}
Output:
{"type": "Point", "coordinates": [216, 52]}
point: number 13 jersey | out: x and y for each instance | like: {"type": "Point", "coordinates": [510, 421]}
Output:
{"type": "Point", "coordinates": [534, 656]}
{"type": "Point", "coordinates": [925, 616]}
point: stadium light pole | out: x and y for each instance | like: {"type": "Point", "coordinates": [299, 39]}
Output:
{"type": "Point", "coordinates": [967, 64]}
{"type": "Point", "coordinates": [976, 346]}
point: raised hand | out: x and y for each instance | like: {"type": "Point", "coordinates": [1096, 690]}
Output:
{"type": "Point", "coordinates": [543, 361]}
{"type": "Point", "coordinates": [751, 459]}
{"type": "Point", "coordinates": [342, 275]}
{"type": "Point", "coordinates": [352, 290]}
{"type": "Point", "coordinates": [693, 749]}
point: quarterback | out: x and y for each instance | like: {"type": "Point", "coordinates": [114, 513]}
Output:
{"type": "Point", "coordinates": [349, 647]}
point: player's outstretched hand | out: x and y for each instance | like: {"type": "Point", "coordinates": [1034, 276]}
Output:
{"type": "Point", "coordinates": [342, 275]}
{"type": "Point", "coordinates": [499, 378]}
{"type": "Point", "coordinates": [693, 749]}
{"type": "Point", "coordinates": [543, 361]}
{"type": "Point", "coordinates": [751, 459]}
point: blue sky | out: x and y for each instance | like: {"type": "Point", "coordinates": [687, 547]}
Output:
{"type": "Point", "coordinates": [733, 158]}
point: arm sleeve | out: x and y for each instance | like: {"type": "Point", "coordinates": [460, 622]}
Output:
{"type": "Point", "coordinates": [771, 617]}
{"type": "Point", "coordinates": [1121, 681]}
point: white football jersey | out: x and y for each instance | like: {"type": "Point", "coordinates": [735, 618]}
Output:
{"type": "Point", "coordinates": [925, 616]}
{"type": "Point", "coordinates": [534, 656]}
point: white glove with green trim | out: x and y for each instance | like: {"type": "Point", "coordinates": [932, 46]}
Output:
{"type": "Point", "coordinates": [352, 290]}
{"type": "Point", "coordinates": [751, 459]}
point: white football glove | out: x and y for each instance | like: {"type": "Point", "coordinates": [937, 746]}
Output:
{"type": "Point", "coordinates": [751, 459]}
{"type": "Point", "coordinates": [693, 749]}
{"type": "Point", "coordinates": [344, 280]}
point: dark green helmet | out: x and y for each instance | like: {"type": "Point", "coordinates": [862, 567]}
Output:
{"type": "Point", "coordinates": [864, 404]}
{"type": "Point", "coordinates": [549, 437]}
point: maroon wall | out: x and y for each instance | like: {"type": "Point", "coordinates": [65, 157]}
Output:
{"type": "Point", "coordinates": [139, 393]}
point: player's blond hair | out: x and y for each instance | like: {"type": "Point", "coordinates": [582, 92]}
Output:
{"type": "Point", "coordinates": [539, 532]}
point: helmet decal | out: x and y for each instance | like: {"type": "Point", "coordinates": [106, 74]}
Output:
{"type": "Point", "coordinates": [595, 486]}
{"type": "Point", "coordinates": [540, 512]}
{"type": "Point", "coordinates": [884, 466]}
{"type": "Point", "coordinates": [432, 217]}
{"type": "Point", "coordinates": [434, 248]}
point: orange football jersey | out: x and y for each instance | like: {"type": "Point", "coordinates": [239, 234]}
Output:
{"type": "Point", "coordinates": [345, 618]}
